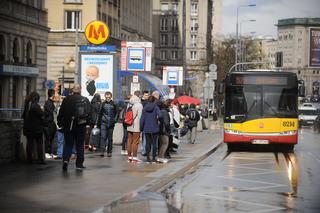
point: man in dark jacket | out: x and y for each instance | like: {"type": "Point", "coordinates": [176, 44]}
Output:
{"type": "Point", "coordinates": [49, 124]}
{"type": "Point", "coordinates": [107, 119]}
{"type": "Point", "coordinates": [193, 117]}
{"type": "Point", "coordinates": [74, 115]}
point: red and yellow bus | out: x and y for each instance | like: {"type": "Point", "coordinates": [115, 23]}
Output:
{"type": "Point", "coordinates": [261, 107]}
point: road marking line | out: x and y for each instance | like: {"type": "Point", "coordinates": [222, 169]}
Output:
{"type": "Point", "coordinates": [257, 173]}
{"type": "Point", "coordinates": [272, 208]}
{"type": "Point", "coordinates": [254, 181]}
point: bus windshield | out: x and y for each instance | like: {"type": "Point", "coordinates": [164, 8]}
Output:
{"type": "Point", "coordinates": [253, 101]}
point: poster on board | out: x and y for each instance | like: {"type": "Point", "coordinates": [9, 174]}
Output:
{"type": "Point", "coordinates": [314, 47]}
{"type": "Point", "coordinates": [96, 74]}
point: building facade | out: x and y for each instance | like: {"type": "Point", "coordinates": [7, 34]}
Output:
{"type": "Point", "coordinates": [23, 50]}
{"type": "Point", "coordinates": [126, 19]}
{"type": "Point", "coordinates": [293, 49]}
{"type": "Point", "coordinates": [182, 33]}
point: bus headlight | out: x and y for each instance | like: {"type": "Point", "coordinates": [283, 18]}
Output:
{"type": "Point", "coordinates": [292, 132]}
{"type": "Point", "coordinates": [233, 132]}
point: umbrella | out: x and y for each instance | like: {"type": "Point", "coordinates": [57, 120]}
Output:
{"type": "Point", "coordinates": [188, 100]}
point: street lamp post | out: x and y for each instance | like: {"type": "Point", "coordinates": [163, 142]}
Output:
{"type": "Point", "coordinates": [249, 5]}
{"type": "Point", "coordinates": [240, 35]}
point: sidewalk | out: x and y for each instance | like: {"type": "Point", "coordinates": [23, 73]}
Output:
{"type": "Point", "coordinates": [35, 188]}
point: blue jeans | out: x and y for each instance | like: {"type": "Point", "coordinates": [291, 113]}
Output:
{"type": "Point", "coordinates": [60, 143]}
{"type": "Point", "coordinates": [125, 137]}
{"type": "Point", "coordinates": [143, 145]}
{"type": "Point", "coordinates": [76, 136]}
{"type": "Point", "coordinates": [106, 138]}
{"type": "Point", "coordinates": [152, 140]}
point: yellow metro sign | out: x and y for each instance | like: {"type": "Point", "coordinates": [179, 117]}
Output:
{"type": "Point", "coordinates": [97, 32]}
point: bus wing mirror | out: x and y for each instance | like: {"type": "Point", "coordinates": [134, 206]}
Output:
{"type": "Point", "coordinates": [301, 91]}
{"type": "Point", "coordinates": [221, 88]}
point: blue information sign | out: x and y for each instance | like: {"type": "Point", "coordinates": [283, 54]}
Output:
{"type": "Point", "coordinates": [136, 59]}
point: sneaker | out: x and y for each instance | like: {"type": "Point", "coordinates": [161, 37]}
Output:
{"type": "Point", "coordinates": [136, 160]}
{"type": "Point", "coordinates": [123, 152]}
{"type": "Point", "coordinates": [109, 155]}
{"type": "Point", "coordinates": [48, 156]}
{"type": "Point", "coordinates": [129, 159]}
{"type": "Point", "coordinates": [65, 166]}
{"type": "Point", "coordinates": [102, 155]}
{"type": "Point", "coordinates": [73, 157]}
{"type": "Point", "coordinates": [80, 168]}
{"type": "Point", "coordinates": [58, 158]}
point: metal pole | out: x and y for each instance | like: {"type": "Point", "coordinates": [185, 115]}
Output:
{"type": "Point", "coordinates": [77, 74]}
{"type": "Point", "coordinates": [184, 61]}
{"type": "Point", "coordinates": [62, 83]}
{"type": "Point", "coordinates": [236, 53]}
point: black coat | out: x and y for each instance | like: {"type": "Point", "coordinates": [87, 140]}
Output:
{"type": "Point", "coordinates": [48, 112]}
{"type": "Point", "coordinates": [192, 122]}
{"type": "Point", "coordinates": [108, 115]}
{"type": "Point", "coordinates": [95, 109]}
{"type": "Point", "coordinates": [33, 120]}
{"type": "Point", "coordinates": [67, 110]}
{"type": "Point", "coordinates": [164, 122]}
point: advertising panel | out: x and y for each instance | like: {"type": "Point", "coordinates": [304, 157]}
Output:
{"type": "Point", "coordinates": [172, 76]}
{"type": "Point", "coordinates": [136, 56]}
{"type": "Point", "coordinates": [314, 47]}
{"type": "Point", "coordinates": [96, 74]}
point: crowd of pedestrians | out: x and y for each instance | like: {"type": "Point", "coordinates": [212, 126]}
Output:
{"type": "Point", "coordinates": [148, 119]}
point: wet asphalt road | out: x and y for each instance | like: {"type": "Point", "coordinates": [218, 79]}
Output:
{"type": "Point", "coordinates": [255, 179]}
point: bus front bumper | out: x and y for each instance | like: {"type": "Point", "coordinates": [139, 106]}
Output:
{"type": "Point", "coordinates": [273, 138]}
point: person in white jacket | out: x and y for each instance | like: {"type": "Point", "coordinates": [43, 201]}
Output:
{"type": "Point", "coordinates": [134, 130]}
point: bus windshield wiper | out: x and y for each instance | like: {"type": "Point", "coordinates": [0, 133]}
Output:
{"type": "Point", "coordinates": [274, 111]}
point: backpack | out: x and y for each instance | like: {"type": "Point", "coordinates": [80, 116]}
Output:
{"type": "Point", "coordinates": [128, 116]}
{"type": "Point", "coordinates": [81, 111]}
{"type": "Point", "coordinates": [193, 115]}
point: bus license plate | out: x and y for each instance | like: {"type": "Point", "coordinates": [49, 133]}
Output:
{"type": "Point", "coordinates": [260, 142]}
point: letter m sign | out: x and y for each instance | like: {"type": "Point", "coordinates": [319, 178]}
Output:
{"type": "Point", "coordinates": [97, 32]}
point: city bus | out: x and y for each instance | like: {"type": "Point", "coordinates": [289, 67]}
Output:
{"type": "Point", "coordinates": [261, 107]}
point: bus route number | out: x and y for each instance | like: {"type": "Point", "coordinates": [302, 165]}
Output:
{"type": "Point", "coordinates": [288, 123]}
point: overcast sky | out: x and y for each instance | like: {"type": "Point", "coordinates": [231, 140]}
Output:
{"type": "Point", "coordinates": [266, 13]}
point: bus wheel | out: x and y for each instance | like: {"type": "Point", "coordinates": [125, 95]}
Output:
{"type": "Point", "coordinates": [290, 147]}
{"type": "Point", "coordinates": [231, 146]}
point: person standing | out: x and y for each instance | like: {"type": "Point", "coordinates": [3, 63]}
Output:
{"type": "Point", "coordinates": [193, 117]}
{"type": "Point", "coordinates": [124, 127]}
{"type": "Point", "coordinates": [33, 126]}
{"type": "Point", "coordinates": [164, 131]}
{"type": "Point", "coordinates": [134, 129]}
{"type": "Point", "coordinates": [107, 119]}
{"type": "Point", "coordinates": [144, 101]}
{"type": "Point", "coordinates": [49, 124]}
{"type": "Point", "coordinates": [74, 115]}
{"type": "Point", "coordinates": [150, 127]}
{"type": "Point", "coordinates": [95, 109]}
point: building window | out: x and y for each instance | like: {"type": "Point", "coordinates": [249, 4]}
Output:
{"type": "Point", "coordinates": [2, 49]}
{"type": "Point", "coordinates": [194, 8]}
{"type": "Point", "coordinates": [175, 7]}
{"type": "Point", "coordinates": [174, 55]}
{"type": "Point", "coordinates": [73, 1]}
{"type": "Point", "coordinates": [174, 40]}
{"type": "Point", "coordinates": [164, 39]}
{"type": "Point", "coordinates": [193, 55]}
{"type": "Point", "coordinates": [163, 24]}
{"type": "Point", "coordinates": [72, 20]}
{"type": "Point", "coordinates": [163, 54]}
{"type": "Point", "coordinates": [193, 40]}
{"type": "Point", "coordinates": [16, 51]}
{"type": "Point", "coordinates": [29, 53]}
{"type": "Point", "coordinates": [299, 61]}
{"type": "Point", "coordinates": [164, 7]}
{"type": "Point", "coordinates": [194, 25]}
{"type": "Point", "coordinates": [299, 72]}
{"type": "Point", "coordinates": [174, 24]}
